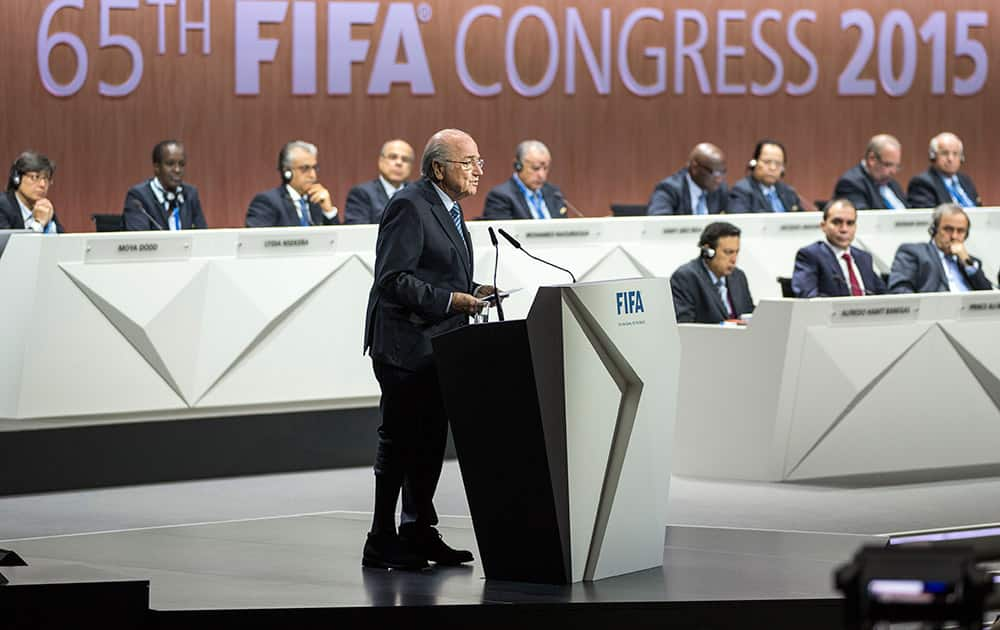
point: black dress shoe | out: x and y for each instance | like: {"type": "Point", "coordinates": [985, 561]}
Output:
{"type": "Point", "coordinates": [427, 543]}
{"type": "Point", "coordinates": [386, 551]}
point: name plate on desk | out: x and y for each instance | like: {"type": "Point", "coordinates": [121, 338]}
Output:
{"type": "Point", "coordinates": [981, 306]}
{"type": "Point", "coordinates": [137, 249]}
{"type": "Point", "coordinates": [867, 312]}
{"type": "Point", "coordinates": [258, 245]}
{"type": "Point", "coordinates": [560, 234]}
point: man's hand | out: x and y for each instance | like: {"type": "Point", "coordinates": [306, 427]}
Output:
{"type": "Point", "coordinates": [42, 212]}
{"type": "Point", "coordinates": [485, 290]}
{"type": "Point", "coordinates": [465, 303]}
{"type": "Point", "coordinates": [321, 196]}
{"type": "Point", "coordinates": [958, 249]}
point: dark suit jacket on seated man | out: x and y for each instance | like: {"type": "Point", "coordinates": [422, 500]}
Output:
{"type": "Point", "coordinates": [423, 286]}
{"type": "Point", "coordinates": [943, 264]}
{"type": "Point", "coordinates": [698, 188]}
{"type": "Point", "coordinates": [366, 201]}
{"type": "Point", "coordinates": [25, 205]}
{"type": "Point", "coordinates": [762, 189]}
{"type": "Point", "coordinates": [942, 182]}
{"type": "Point", "coordinates": [821, 269]}
{"type": "Point", "coordinates": [528, 193]}
{"type": "Point", "coordinates": [710, 289]}
{"type": "Point", "coordinates": [870, 184]}
{"type": "Point", "coordinates": [301, 200]}
{"type": "Point", "coordinates": [164, 202]}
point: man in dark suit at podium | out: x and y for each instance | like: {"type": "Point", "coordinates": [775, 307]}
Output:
{"type": "Point", "coordinates": [300, 200]}
{"type": "Point", "coordinates": [528, 193]}
{"type": "Point", "coordinates": [710, 289]}
{"type": "Point", "coordinates": [164, 202]}
{"type": "Point", "coordinates": [698, 188]}
{"type": "Point", "coordinates": [423, 287]}
{"type": "Point", "coordinates": [944, 263]}
{"type": "Point", "coordinates": [942, 182]}
{"type": "Point", "coordinates": [870, 184]}
{"type": "Point", "coordinates": [366, 201]}
{"type": "Point", "coordinates": [833, 267]}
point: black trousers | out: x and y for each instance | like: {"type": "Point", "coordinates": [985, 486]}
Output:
{"type": "Point", "coordinates": [411, 443]}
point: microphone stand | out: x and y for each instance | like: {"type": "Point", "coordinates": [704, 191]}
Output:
{"type": "Point", "coordinates": [513, 241]}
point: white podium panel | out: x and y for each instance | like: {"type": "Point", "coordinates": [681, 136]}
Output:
{"type": "Point", "coordinates": [900, 387]}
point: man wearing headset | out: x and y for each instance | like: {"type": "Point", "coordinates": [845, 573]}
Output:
{"type": "Point", "coordinates": [528, 193]}
{"type": "Point", "coordinates": [870, 184]}
{"type": "Point", "coordinates": [164, 202]}
{"type": "Point", "coordinates": [710, 289]}
{"type": "Point", "coordinates": [833, 267]}
{"type": "Point", "coordinates": [698, 188]}
{"type": "Point", "coordinates": [25, 205]}
{"type": "Point", "coordinates": [762, 189]}
{"type": "Point", "coordinates": [943, 264]}
{"type": "Point", "coordinates": [300, 200]}
{"type": "Point", "coordinates": [366, 201]}
{"type": "Point", "coordinates": [941, 182]}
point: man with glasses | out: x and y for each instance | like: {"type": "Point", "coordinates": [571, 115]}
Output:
{"type": "Point", "coordinates": [528, 193]}
{"type": "Point", "coordinates": [423, 287]}
{"type": "Point", "coordinates": [698, 188]}
{"type": "Point", "coordinates": [366, 201]}
{"type": "Point", "coordinates": [26, 205]}
{"type": "Point", "coordinates": [942, 183]}
{"type": "Point", "coordinates": [870, 184]}
{"type": "Point", "coordinates": [763, 190]}
{"type": "Point", "coordinates": [943, 263]}
{"type": "Point", "coordinates": [300, 200]}
{"type": "Point", "coordinates": [164, 202]}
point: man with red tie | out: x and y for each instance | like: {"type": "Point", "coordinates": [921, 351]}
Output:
{"type": "Point", "coordinates": [833, 267]}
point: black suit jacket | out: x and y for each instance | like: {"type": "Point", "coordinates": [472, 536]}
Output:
{"type": "Point", "coordinates": [10, 214]}
{"type": "Point", "coordinates": [274, 208]}
{"type": "Point", "coordinates": [141, 195]}
{"type": "Point", "coordinates": [420, 260]}
{"type": "Point", "coordinates": [927, 190]}
{"type": "Point", "coordinates": [673, 196]}
{"type": "Point", "coordinates": [365, 203]}
{"type": "Point", "coordinates": [818, 273]}
{"type": "Point", "coordinates": [862, 191]}
{"type": "Point", "coordinates": [507, 202]}
{"type": "Point", "coordinates": [917, 268]}
{"type": "Point", "coordinates": [746, 196]}
{"type": "Point", "coordinates": [697, 300]}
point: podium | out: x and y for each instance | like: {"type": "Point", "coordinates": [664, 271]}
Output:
{"type": "Point", "coordinates": [563, 425]}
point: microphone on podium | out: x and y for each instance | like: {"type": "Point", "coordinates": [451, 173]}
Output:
{"type": "Point", "coordinates": [496, 264]}
{"type": "Point", "coordinates": [564, 203]}
{"type": "Point", "coordinates": [138, 205]}
{"type": "Point", "coordinates": [513, 241]}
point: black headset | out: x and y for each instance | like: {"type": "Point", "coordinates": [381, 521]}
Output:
{"type": "Point", "coordinates": [15, 176]}
{"type": "Point", "coordinates": [286, 173]}
{"type": "Point", "coordinates": [518, 165]}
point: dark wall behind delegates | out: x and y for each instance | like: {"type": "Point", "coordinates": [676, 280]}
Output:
{"type": "Point", "coordinates": [347, 76]}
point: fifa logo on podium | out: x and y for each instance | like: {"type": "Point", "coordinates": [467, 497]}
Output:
{"type": "Point", "coordinates": [629, 302]}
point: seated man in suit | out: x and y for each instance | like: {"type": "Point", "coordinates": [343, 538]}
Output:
{"type": "Point", "coordinates": [710, 289]}
{"type": "Point", "coordinates": [527, 194]}
{"type": "Point", "coordinates": [698, 188]}
{"type": "Point", "coordinates": [943, 264]}
{"type": "Point", "coordinates": [300, 200]}
{"type": "Point", "coordinates": [870, 184]}
{"type": "Point", "coordinates": [164, 202]}
{"type": "Point", "coordinates": [762, 190]}
{"type": "Point", "coordinates": [942, 183]}
{"type": "Point", "coordinates": [25, 205]}
{"type": "Point", "coordinates": [366, 201]}
{"type": "Point", "coordinates": [833, 267]}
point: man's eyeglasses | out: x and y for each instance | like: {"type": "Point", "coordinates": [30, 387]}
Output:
{"type": "Point", "coordinates": [305, 168]}
{"type": "Point", "coordinates": [392, 157]}
{"type": "Point", "coordinates": [888, 165]}
{"type": "Point", "coordinates": [467, 164]}
{"type": "Point", "coordinates": [36, 177]}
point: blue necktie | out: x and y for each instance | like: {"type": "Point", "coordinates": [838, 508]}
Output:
{"type": "Point", "coordinates": [702, 207]}
{"type": "Point", "coordinates": [537, 204]}
{"type": "Point", "coordinates": [304, 205]}
{"type": "Point", "coordinates": [884, 192]}
{"type": "Point", "coordinates": [175, 217]}
{"type": "Point", "coordinates": [957, 194]}
{"type": "Point", "coordinates": [776, 204]}
{"type": "Point", "coordinates": [456, 218]}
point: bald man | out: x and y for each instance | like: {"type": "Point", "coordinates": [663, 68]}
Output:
{"type": "Point", "coordinates": [366, 201]}
{"type": "Point", "coordinates": [871, 185]}
{"type": "Point", "coordinates": [941, 182]}
{"type": "Point", "coordinates": [698, 188]}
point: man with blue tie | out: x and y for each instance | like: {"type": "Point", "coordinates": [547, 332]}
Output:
{"type": "Point", "coordinates": [528, 193]}
{"type": "Point", "coordinates": [164, 202]}
{"type": "Point", "coordinates": [698, 188]}
{"type": "Point", "coordinates": [833, 267]}
{"type": "Point", "coordinates": [300, 200]}
{"type": "Point", "coordinates": [942, 182]}
{"type": "Point", "coordinates": [763, 190]}
{"type": "Point", "coordinates": [711, 289]}
{"type": "Point", "coordinates": [943, 264]}
{"type": "Point", "coordinates": [870, 184]}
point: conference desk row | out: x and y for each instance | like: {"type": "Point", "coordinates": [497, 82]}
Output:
{"type": "Point", "coordinates": [132, 327]}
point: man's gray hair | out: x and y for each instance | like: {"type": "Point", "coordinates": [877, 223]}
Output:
{"type": "Point", "coordinates": [284, 159]}
{"type": "Point", "coordinates": [530, 145]}
{"type": "Point", "coordinates": [880, 142]}
{"type": "Point", "coordinates": [947, 208]}
{"type": "Point", "coordinates": [933, 146]}
{"type": "Point", "coordinates": [437, 150]}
